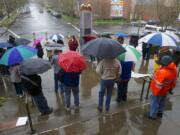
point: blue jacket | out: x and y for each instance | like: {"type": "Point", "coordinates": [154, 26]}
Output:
{"type": "Point", "coordinates": [126, 70]}
{"type": "Point", "coordinates": [71, 79]}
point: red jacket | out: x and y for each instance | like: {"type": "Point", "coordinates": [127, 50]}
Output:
{"type": "Point", "coordinates": [164, 80]}
{"type": "Point", "coordinates": [73, 44]}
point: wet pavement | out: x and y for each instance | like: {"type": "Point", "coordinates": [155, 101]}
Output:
{"type": "Point", "coordinates": [126, 118]}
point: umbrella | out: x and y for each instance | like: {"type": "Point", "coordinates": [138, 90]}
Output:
{"type": "Point", "coordinates": [103, 48]}
{"type": "Point", "coordinates": [22, 41]}
{"type": "Point", "coordinates": [34, 66]}
{"type": "Point", "coordinates": [5, 45]}
{"type": "Point", "coordinates": [173, 35]}
{"type": "Point", "coordinates": [57, 37]}
{"type": "Point", "coordinates": [71, 61]}
{"type": "Point", "coordinates": [54, 46]}
{"type": "Point", "coordinates": [89, 37]}
{"type": "Point", "coordinates": [107, 34]}
{"type": "Point", "coordinates": [17, 54]}
{"type": "Point", "coordinates": [121, 34]}
{"type": "Point", "coordinates": [131, 54]}
{"type": "Point", "coordinates": [37, 41]}
{"type": "Point", "coordinates": [159, 39]}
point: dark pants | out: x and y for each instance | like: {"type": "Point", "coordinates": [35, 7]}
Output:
{"type": "Point", "coordinates": [41, 103]}
{"type": "Point", "coordinates": [18, 88]}
{"type": "Point", "coordinates": [75, 91]}
{"type": "Point", "coordinates": [58, 84]}
{"type": "Point", "coordinates": [122, 91]}
{"type": "Point", "coordinates": [146, 53]}
{"type": "Point", "coordinates": [106, 86]}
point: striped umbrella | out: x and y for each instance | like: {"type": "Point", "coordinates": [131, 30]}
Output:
{"type": "Point", "coordinates": [17, 54]}
{"type": "Point", "coordinates": [159, 39]}
{"type": "Point", "coordinates": [173, 35]}
{"type": "Point", "coordinates": [131, 54]}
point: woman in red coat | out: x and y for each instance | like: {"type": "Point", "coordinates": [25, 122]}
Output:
{"type": "Point", "coordinates": [73, 43]}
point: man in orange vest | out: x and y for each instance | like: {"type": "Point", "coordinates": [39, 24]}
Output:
{"type": "Point", "coordinates": [163, 81]}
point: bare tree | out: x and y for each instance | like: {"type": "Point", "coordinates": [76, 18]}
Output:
{"type": "Point", "coordinates": [167, 12]}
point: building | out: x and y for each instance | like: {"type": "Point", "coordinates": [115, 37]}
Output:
{"type": "Point", "coordinates": [107, 9]}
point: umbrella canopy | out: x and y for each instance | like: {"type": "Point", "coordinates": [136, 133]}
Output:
{"type": "Point", "coordinates": [89, 37]}
{"type": "Point", "coordinates": [173, 35]}
{"type": "Point", "coordinates": [71, 61]}
{"type": "Point", "coordinates": [37, 41]}
{"type": "Point", "coordinates": [34, 66]}
{"type": "Point", "coordinates": [5, 45]}
{"type": "Point", "coordinates": [22, 41]}
{"type": "Point", "coordinates": [159, 39]}
{"type": "Point", "coordinates": [17, 54]}
{"type": "Point", "coordinates": [131, 54]}
{"type": "Point", "coordinates": [121, 34]}
{"type": "Point", "coordinates": [54, 46]}
{"type": "Point", "coordinates": [103, 48]}
{"type": "Point", "coordinates": [57, 37]}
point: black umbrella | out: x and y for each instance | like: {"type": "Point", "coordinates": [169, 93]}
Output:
{"type": "Point", "coordinates": [103, 48]}
{"type": "Point", "coordinates": [34, 66]}
{"type": "Point", "coordinates": [22, 41]}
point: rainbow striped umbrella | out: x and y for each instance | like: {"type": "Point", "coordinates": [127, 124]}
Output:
{"type": "Point", "coordinates": [131, 54]}
{"type": "Point", "coordinates": [17, 54]}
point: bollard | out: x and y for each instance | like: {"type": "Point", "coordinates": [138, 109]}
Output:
{"type": "Point", "coordinates": [29, 116]}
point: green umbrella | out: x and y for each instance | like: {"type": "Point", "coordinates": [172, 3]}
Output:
{"type": "Point", "coordinates": [131, 54]}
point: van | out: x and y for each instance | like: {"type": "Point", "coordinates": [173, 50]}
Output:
{"type": "Point", "coordinates": [152, 28]}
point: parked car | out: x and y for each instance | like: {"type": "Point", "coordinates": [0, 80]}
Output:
{"type": "Point", "coordinates": [56, 14]}
{"type": "Point", "coordinates": [139, 23]}
{"type": "Point", "coordinates": [25, 10]}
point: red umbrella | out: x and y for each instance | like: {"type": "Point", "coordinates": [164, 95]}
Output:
{"type": "Point", "coordinates": [71, 61]}
{"type": "Point", "coordinates": [89, 37]}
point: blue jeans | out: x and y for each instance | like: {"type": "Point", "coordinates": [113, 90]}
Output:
{"type": "Point", "coordinates": [57, 84]}
{"type": "Point", "coordinates": [157, 104]}
{"type": "Point", "coordinates": [75, 91]}
{"type": "Point", "coordinates": [106, 86]}
{"type": "Point", "coordinates": [41, 103]}
{"type": "Point", "coordinates": [122, 90]}
{"type": "Point", "coordinates": [18, 88]}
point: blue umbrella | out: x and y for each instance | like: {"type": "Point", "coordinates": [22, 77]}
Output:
{"type": "Point", "coordinates": [121, 34]}
{"type": "Point", "coordinates": [159, 39]}
{"type": "Point", "coordinates": [17, 54]}
{"type": "Point", "coordinates": [5, 45]}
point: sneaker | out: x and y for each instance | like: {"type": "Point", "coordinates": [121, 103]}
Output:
{"type": "Point", "coordinates": [76, 107]}
{"type": "Point", "coordinates": [47, 113]}
{"type": "Point", "coordinates": [160, 114]}
{"type": "Point", "coordinates": [150, 117]}
{"type": "Point", "coordinates": [68, 109]}
{"type": "Point", "coordinates": [21, 96]}
{"type": "Point", "coordinates": [99, 109]}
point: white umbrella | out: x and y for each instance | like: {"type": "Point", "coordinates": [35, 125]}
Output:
{"type": "Point", "coordinates": [173, 35]}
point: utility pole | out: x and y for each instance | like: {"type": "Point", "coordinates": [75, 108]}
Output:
{"type": "Point", "coordinates": [6, 8]}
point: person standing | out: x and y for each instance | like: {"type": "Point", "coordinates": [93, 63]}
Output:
{"type": "Point", "coordinates": [109, 70]}
{"type": "Point", "coordinates": [15, 78]}
{"type": "Point", "coordinates": [56, 70]}
{"type": "Point", "coordinates": [71, 84]}
{"type": "Point", "coordinates": [40, 51]}
{"type": "Point", "coordinates": [163, 81]}
{"type": "Point", "coordinates": [127, 67]}
{"type": "Point", "coordinates": [32, 84]}
{"type": "Point", "coordinates": [73, 43]}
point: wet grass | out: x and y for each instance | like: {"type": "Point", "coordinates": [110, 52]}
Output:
{"type": "Point", "coordinates": [2, 100]}
{"type": "Point", "coordinates": [71, 19]}
{"type": "Point", "coordinates": [110, 22]}
{"type": "Point", "coordinates": [8, 21]}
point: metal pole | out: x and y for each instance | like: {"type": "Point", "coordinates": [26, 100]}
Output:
{"type": "Point", "coordinates": [29, 116]}
{"type": "Point", "coordinates": [142, 91]}
{"type": "Point", "coordinates": [147, 94]}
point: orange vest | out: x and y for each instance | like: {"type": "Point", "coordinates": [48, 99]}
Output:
{"type": "Point", "coordinates": [164, 80]}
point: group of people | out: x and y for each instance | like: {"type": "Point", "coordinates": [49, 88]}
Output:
{"type": "Point", "coordinates": [111, 71]}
